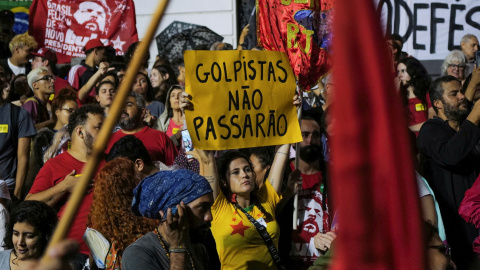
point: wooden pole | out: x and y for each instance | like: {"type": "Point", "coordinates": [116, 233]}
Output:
{"type": "Point", "coordinates": [297, 159]}
{"type": "Point", "coordinates": [106, 131]}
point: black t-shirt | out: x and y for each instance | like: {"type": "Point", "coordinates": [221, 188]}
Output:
{"type": "Point", "coordinates": [8, 141]}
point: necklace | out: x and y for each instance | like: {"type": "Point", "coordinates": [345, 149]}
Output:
{"type": "Point", "coordinates": [164, 245]}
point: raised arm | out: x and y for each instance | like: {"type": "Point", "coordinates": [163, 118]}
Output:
{"type": "Point", "coordinates": [278, 167]}
{"type": "Point", "coordinates": [87, 88]}
{"type": "Point", "coordinates": [208, 168]}
{"type": "Point", "coordinates": [472, 86]}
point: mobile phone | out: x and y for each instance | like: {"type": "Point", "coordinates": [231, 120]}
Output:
{"type": "Point", "coordinates": [187, 142]}
{"type": "Point", "coordinates": [477, 59]}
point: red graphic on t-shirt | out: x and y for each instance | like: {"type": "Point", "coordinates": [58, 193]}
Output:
{"type": "Point", "coordinates": [239, 228]}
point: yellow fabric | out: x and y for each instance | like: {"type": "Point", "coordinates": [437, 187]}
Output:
{"type": "Point", "coordinates": [247, 251]}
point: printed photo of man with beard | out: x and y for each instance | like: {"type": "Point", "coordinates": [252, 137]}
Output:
{"type": "Point", "coordinates": [90, 17]}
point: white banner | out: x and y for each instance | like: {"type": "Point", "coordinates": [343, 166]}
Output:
{"type": "Point", "coordinates": [431, 28]}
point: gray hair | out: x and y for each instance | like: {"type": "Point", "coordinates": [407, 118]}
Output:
{"type": "Point", "coordinates": [327, 79]}
{"type": "Point", "coordinates": [455, 56]}
{"type": "Point", "coordinates": [34, 75]}
{"type": "Point", "coordinates": [466, 38]}
{"type": "Point", "coordinates": [141, 104]}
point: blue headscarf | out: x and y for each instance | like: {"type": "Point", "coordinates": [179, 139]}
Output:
{"type": "Point", "coordinates": [166, 189]}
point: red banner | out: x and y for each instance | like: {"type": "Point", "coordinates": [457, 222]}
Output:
{"type": "Point", "coordinates": [67, 25]}
{"type": "Point", "coordinates": [300, 28]}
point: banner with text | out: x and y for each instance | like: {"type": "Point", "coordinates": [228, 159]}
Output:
{"type": "Point", "coordinates": [431, 28]}
{"type": "Point", "coordinates": [67, 25]}
{"type": "Point", "coordinates": [241, 99]}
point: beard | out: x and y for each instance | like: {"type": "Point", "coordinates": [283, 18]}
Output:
{"type": "Point", "coordinates": [130, 123]}
{"type": "Point", "coordinates": [88, 142]}
{"type": "Point", "coordinates": [311, 153]}
{"type": "Point", "coordinates": [456, 113]}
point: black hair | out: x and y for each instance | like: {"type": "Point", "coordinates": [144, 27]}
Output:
{"type": "Point", "coordinates": [264, 154]}
{"type": "Point", "coordinates": [130, 147]}
{"type": "Point", "coordinates": [131, 51]}
{"type": "Point", "coordinates": [223, 164]}
{"type": "Point", "coordinates": [87, 52]}
{"type": "Point", "coordinates": [97, 89]}
{"type": "Point", "coordinates": [172, 78]}
{"type": "Point", "coordinates": [176, 63]}
{"type": "Point", "coordinates": [112, 73]}
{"type": "Point", "coordinates": [150, 96]}
{"type": "Point", "coordinates": [436, 88]}
{"type": "Point", "coordinates": [397, 37]}
{"type": "Point", "coordinates": [419, 79]}
{"type": "Point", "coordinates": [79, 117]}
{"type": "Point", "coordinates": [38, 215]}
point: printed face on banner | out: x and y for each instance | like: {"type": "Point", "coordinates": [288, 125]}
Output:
{"type": "Point", "coordinates": [89, 16]}
{"type": "Point", "coordinates": [67, 25]}
{"type": "Point", "coordinates": [240, 99]}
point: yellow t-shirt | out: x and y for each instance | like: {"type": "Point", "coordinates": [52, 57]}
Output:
{"type": "Point", "coordinates": [239, 245]}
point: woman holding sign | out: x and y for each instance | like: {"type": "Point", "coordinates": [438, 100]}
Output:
{"type": "Point", "coordinates": [244, 226]}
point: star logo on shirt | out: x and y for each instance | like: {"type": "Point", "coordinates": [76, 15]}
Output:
{"type": "Point", "coordinates": [259, 215]}
{"type": "Point", "coordinates": [239, 228]}
{"type": "Point", "coordinates": [234, 219]}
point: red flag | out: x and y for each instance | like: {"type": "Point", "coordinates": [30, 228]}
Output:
{"type": "Point", "coordinates": [302, 30]}
{"type": "Point", "coordinates": [67, 25]}
{"type": "Point", "coordinates": [372, 174]}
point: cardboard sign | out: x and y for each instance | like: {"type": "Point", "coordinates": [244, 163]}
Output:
{"type": "Point", "coordinates": [241, 99]}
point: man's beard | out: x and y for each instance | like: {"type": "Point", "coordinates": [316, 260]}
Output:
{"type": "Point", "coordinates": [88, 142]}
{"type": "Point", "coordinates": [311, 153]}
{"type": "Point", "coordinates": [130, 123]}
{"type": "Point", "coordinates": [455, 113]}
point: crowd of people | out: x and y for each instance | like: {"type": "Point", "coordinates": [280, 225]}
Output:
{"type": "Point", "coordinates": [160, 205]}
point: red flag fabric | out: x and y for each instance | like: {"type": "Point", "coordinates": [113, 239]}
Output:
{"type": "Point", "coordinates": [373, 180]}
{"type": "Point", "coordinates": [67, 25]}
{"type": "Point", "coordinates": [302, 30]}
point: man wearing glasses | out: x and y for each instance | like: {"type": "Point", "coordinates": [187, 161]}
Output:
{"type": "Point", "coordinates": [41, 81]}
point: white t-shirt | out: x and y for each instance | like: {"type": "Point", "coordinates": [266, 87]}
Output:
{"type": "Point", "coordinates": [16, 70]}
{"type": "Point", "coordinates": [4, 217]}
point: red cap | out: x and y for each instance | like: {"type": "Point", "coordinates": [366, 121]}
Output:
{"type": "Point", "coordinates": [94, 43]}
{"type": "Point", "coordinates": [48, 53]}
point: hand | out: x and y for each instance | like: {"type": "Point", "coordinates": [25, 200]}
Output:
{"type": "Point", "coordinates": [397, 83]}
{"type": "Point", "coordinates": [323, 241]}
{"type": "Point", "coordinates": [59, 256]}
{"type": "Point", "coordinates": [104, 67]}
{"type": "Point", "coordinates": [202, 156]}
{"type": "Point", "coordinates": [293, 179]}
{"type": "Point", "coordinates": [185, 103]}
{"type": "Point", "coordinates": [175, 228]}
{"type": "Point", "coordinates": [148, 118]}
{"type": "Point", "coordinates": [297, 101]}
{"type": "Point", "coordinates": [71, 180]}
{"type": "Point", "coordinates": [244, 33]}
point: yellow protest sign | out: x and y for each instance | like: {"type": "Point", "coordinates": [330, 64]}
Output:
{"type": "Point", "coordinates": [240, 99]}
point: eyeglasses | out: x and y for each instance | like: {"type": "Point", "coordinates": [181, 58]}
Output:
{"type": "Point", "coordinates": [69, 110]}
{"type": "Point", "coordinates": [453, 66]}
{"type": "Point", "coordinates": [445, 249]}
{"type": "Point", "coordinates": [46, 78]}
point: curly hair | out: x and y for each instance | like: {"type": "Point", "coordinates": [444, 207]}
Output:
{"type": "Point", "coordinates": [419, 79]}
{"type": "Point", "coordinates": [110, 212]}
{"type": "Point", "coordinates": [21, 41]}
{"type": "Point", "coordinates": [65, 94]}
{"type": "Point", "coordinates": [38, 215]}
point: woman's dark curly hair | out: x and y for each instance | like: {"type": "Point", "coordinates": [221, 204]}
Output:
{"type": "Point", "coordinates": [150, 96]}
{"type": "Point", "coordinates": [110, 212]}
{"type": "Point", "coordinates": [419, 79]}
{"type": "Point", "coordinates": [37, 214]}
{"type": "Point", "coordinates": [66, 94]}
{"type": "Point", "coordinates": [223, 164]}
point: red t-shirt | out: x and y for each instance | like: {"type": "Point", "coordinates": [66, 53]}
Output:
{"type": "Point", "coordinates": [159, 145]}
{"type": "Point", "coordinates": [52, 173]}
{"type": "Point", "coordinates": [417, 111]}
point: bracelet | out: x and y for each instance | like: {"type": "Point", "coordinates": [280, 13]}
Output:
{"type": "Point", "coordinates": [241, 44]}
{"type": "Point", "coordinates": [178, 250]}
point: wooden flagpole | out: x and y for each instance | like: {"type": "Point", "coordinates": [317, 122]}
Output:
{"type": "Point", "coordinates": [297, 158]}
{"type": "Point", "coordinates": [106, 131]}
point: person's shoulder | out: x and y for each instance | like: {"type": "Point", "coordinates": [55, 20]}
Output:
{"type": "Point", "coordinates": [142, 243]}
{"type": "Point", "coordinates": [433, 124]}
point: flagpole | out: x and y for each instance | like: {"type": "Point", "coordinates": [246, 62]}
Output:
{"type": "Point", "coordinates": [105, 132]}
{"type": "Point", "coordinates": [297, 158]}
